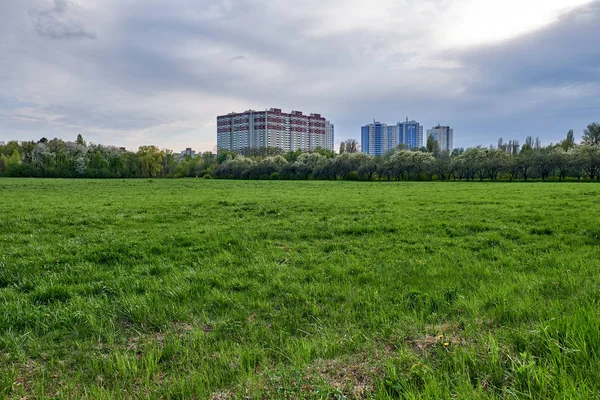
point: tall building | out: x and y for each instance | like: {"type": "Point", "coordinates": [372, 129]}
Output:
{"type": "Point", "coordinates": [188, 152]}
{"type": "Point", "coordinates": [377, 138]}
{"type": "Point", "coordinates": [273, 128]}
{"type": "Point", "coordinates": [444, 135]}
{"type": "Point", "coordinates": [410, 134]}
{"type": "Point", "coordinates": [329, 136]}
{"type": "Point", "coordinates": [374, 138]}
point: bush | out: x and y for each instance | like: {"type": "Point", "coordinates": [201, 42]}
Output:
{"type": "Point", "coordinates": [274, 176]}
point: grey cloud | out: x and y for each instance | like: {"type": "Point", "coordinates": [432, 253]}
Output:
{"type": "Point", "coordinates": [565, 52]}
{"type": "Point", "coordinates": [539, 84]}
{"type": "Point", "coordinates": [55, 22]}
{"type": "Point", "coordinates": [543, 83]}
{"type": "Point", "coordinates": [172, 49]}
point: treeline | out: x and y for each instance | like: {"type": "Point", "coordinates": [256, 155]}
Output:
{"type": "Point", "coordinates": [59, 159]}
{"type": "Point", "coordinates": [507, 161]}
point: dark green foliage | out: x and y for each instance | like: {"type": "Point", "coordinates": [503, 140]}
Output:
{"type": "Point", "coordinates": [591, 135]}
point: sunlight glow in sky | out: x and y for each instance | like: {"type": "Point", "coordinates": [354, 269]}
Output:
{"type": "Point", "coordinates": [474, 22]}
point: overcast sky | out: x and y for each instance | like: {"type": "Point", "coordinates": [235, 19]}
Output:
{"type": "Point", "coordinates": [134, 72]}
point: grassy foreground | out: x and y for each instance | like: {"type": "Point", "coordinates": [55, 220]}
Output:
{"type": "Point", "coordinates": [234, 289]}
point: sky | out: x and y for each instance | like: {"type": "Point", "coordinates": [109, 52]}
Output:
{"type": "Point", "coordinates": [137, 72]}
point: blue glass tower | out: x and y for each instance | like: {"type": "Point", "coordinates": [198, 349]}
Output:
{"type": "Point", "coordinates": [377, 138]}
{"type": "Point", "coordinates": [365, 143]}
{"type": "Point", "coordinates": [410, 133]}
{"type": "Point", "coordinates": [374, 138]}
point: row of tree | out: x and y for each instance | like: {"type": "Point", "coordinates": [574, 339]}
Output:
{"type": "Point", "coordinates": [507, 161]}
{"type": "Point", "coordinates": [59, 159]}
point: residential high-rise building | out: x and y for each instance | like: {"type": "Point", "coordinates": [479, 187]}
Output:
{"type": "Point", "coordinates": [374, 138]}
{"type": "Point", "coordinates": [410, 133]}
{"type": "Point", "coordinates": [188, 152]}
{"type": "Point", "coordinates": [329, 136]}
{"type": "Point", "coordinates": [444, 135]}
{"type": "Point", "coordinates": [273, 128]}
{"type": "Point", "coordinates": [377, 138]}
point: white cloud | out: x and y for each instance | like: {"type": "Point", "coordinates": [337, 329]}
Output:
{"type": "Point", "coordinates": [471, 22]}
{"type": "Point", "coordinates": [160, 71]}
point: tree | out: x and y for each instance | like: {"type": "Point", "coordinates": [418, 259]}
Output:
{"type": "Point", "coordinates": [406, 163]}
{"type": "Point", "coordinates": [457, 152]}
{"type": "Point", "coordinates": [343, 165]}
{"type": "Point", "coordinates": [587, 157]}
{"type": "Point", "coordinates": [80, 168]}
{"type": "Point", "coordinates": [398, 165]}
{"type": "Point", "coordinates": [349, 146]}
{"type": "Point", "coordinates": [349, 162]}
{"type": "Point", "coordinates": [367, 169]}
{"type": "Point", "coordinates": [15, 157]}
{"type": "Point", "coordinates": [471, 163]}
{"type": "Point", "coordinates": [270, 165]}
{"type": "Point", "coordinates": [442, 167]}
{"type": "Point", "coordinates": [591, 135]}
{"type": "Point", "coordinates": [80, 140]}
{"type": "Point", "coordinates": [150, 161]}
{"type": "Point", "coordinates": [169, 167]}
{"type": "Point", "coordinates": [292, 156]}
{"type": "Point", "coordinates": [289, 171]}
{"type": "Point", "coordinates": [98, 165]}
{"type": "Point", "coordinates": [524, 159]}
{"type": "Point", "coordinates": [528, 146]}
{"type": "Point", "coordinates": [310, 160]}
{"type": "Point", "coordinates": [131, 164]}
{"type": "Point", "coordinates": [234, 168]}
{"type": "Point", "coordinates": [524, 163]}
{"type": "Point", "coordinates": [560, 158]}
{"type": "Point", "coordinates": [432, 145]}
{"type": "Point", "coordinates": [325, 152]}
{"type": "Point", "coordinates": [260, 151]}
{"type": "Point", "coordinates": [495, 161]}
{"type": "Point", "coordinates": [43, 159]}
{"type": "Point", "coordinates": [223, 155]}
{"type": "Point", "coordinates": [12, 164]}
{"type": "Point", "coordinates": [543, 162]}
{"type": "Point", "coordinates": [326, 170]}
{"type": "Point", "coordinates": [421, 163]}
{"type": "Point", "coordinates": [480, 162]}
{"type": "Point", "coordinates": [512, 167]}
{"type": "Point", "coordinates": [569, 142]}
{"type": "Point", "coordinates": [207, 164]}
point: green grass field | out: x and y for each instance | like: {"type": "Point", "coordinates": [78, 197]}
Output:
{"type": "Point", "coordinates": [264, 289]}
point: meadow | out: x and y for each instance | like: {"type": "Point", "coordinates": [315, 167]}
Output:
{"type": "Point", "coordinates": [196, 288]}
